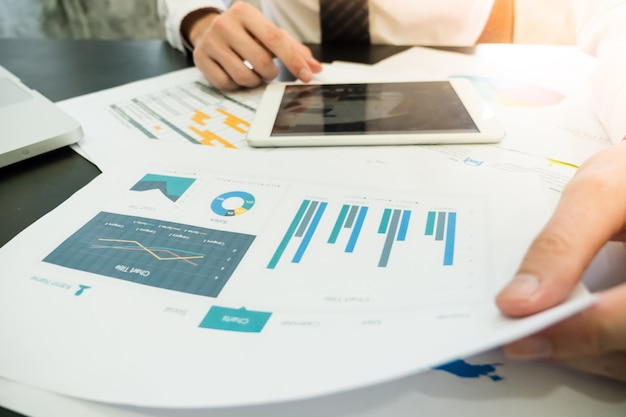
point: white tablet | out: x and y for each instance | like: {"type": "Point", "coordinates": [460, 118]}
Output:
{"type": "Point", "coordinates": [397, 113]}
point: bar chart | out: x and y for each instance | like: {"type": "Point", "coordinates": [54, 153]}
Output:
{"type": "Point", "coordinates": [302, 228]}
{"type": "Point", "coordinates": [189, 113]}
{"type": "Point", "coordinates": [442, 226]}
{"type": "Point", "coordinates": [393, 225]}
{"type": "Point", "coordinates": [373, 232]}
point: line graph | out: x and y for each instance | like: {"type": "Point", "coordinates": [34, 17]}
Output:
{"type": "Point", "coordinates": [162, 254]}
{"type": "Point", "coordinates": [133, 245]}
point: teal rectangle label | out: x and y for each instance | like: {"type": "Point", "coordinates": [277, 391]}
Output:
{"type": "Point", "coordinates": [235, 319]}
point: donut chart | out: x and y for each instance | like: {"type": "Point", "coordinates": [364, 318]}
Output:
{"type": "Point", "coordinates": [222, 205]}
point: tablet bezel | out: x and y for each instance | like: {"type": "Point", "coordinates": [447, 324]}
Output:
{"type": "Point", "coordinates": [490, 130]}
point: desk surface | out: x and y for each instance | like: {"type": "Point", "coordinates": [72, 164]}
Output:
{"type": "Point", "coordinates": [60, 69]}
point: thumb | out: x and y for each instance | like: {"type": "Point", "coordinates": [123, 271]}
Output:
{"type": "Point", "coordinates": [591, 212]}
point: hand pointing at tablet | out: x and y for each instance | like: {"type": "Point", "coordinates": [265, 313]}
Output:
{"type": "Point", "coordinates": [237, 47]}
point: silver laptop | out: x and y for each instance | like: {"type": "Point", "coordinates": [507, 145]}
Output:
{"type": "Point", "coordinates": [30, 124]}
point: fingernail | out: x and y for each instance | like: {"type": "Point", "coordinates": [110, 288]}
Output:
{"type": "Point", "coordinates": [535, 347]}
{"type": "Point", "coordinates": [521, 286]}
{"type": "Point", "coordinates": [305, 74]}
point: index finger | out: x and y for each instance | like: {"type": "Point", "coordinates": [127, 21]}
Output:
{"type": "Point", "coordinates": [592, 210]}
{"type": "Point", "coordinates": [282, 46]}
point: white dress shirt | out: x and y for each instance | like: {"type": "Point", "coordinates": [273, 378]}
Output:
{"type": "Point", "coordinates": [600, 24]}
{"type": "Point", "coordinates": [392, 22]}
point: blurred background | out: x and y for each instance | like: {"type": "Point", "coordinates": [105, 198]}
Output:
{"type": "Point", "coordinates": [537, 21]}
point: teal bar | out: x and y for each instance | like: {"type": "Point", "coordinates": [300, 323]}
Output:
{"type": "Point", "coordinates": [430, 223]}
{"type": "Point", "coordinates": [338, 224]}
{"type": "Point", "coordinates": [384, 222]}
{"type": "Point", "coordinates": [288, 234]}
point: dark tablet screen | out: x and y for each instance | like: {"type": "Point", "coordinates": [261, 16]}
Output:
{"type": "Point", "coordinates": [377, 108]}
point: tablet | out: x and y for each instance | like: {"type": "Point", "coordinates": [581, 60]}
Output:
{"type": "Point", "coordinates": [397, 113]}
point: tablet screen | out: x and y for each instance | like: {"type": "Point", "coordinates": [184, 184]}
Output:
{"type": "Point", "coordinates": [376, 108]}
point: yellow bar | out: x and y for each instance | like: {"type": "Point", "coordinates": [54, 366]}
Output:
{"type": "Point", "coordinates": [234, 122]}
{"type": "Point", "coordinates": [209, 137]}
{"type": "Point", "coordinates": [199, 117]}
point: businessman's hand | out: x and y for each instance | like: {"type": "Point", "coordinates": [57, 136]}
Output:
{"type": "Point", "coordinates": [591, 212]}
{"type": "Point", "coordinates": [236, 48]}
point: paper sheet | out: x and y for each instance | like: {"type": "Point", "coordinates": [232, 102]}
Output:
{"type": "Point", "coordinates": [338, 276]}
{"type": "Point", "coordinates": [155, 346]}
{"type": "Point", "coordinates": [178, 107]}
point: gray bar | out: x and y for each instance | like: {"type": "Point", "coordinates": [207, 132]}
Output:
{"type": "Point", "coordinates": [391, 237]}
{"type": "Point", "coordinates": [441, 225]}
{"type": "Point", "coordinates": [307, 219]}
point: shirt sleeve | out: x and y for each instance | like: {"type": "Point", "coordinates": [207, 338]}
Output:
{"type": "Point", "coordinates": [172, 13]}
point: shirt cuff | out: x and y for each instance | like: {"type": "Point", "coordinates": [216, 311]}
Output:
{"type": "Point", "coordinates": [173, 18]}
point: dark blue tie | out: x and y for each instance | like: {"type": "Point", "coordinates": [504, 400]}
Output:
{"type": "Point", "coordinates": [344, 21]}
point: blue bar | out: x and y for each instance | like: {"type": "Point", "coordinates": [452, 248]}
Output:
{"type": "Point", "coordinates": [354, 236]}
{"type": "Point", "coordinates": [391, 235]}
{"type": "Point", "coordinates": [288, 234]}
{"type": "Point", "coordinates": [448, 256]}
{"type": "Point", "coordinates": [309, 233]}
{"type": "Point", "coordinates": [404, 225]}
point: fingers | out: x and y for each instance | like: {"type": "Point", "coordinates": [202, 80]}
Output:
{"type": "Point", "coordinates": [214, 73]}
{"type": "Point", "coordinates": [592, 210]}
{"type": "Point", "coordinates": [239, 47]}
{"type": "Point", "coordinates": [218, 54]}
{"type": "Point", "coordinates": [314, 65]}
{"type": "Point", "coordinates": [593, 340]}
{"type": "Point", "coordinates": [296, 57]}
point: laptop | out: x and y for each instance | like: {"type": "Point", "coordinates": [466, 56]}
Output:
{"type": "Point", "coordinates": [30, 124]}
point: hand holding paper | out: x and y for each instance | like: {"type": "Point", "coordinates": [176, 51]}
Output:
{"type": "Point", "coordinates": [592, 211]}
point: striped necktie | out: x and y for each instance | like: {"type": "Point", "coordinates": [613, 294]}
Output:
{"type": "Point", "coordinates": [344, 21]}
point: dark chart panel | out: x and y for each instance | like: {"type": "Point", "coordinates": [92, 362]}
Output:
{"type": "Point", "coordinates": [161, 254]}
